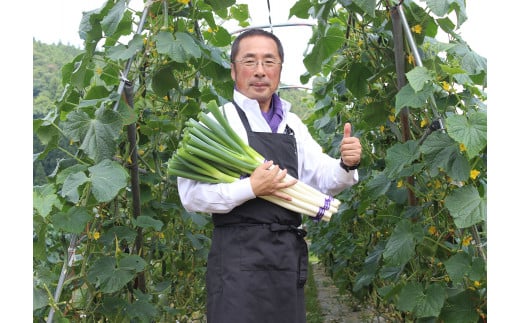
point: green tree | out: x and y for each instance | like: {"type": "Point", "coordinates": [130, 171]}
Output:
{"type": "Point", "coordinates": [48, 59]}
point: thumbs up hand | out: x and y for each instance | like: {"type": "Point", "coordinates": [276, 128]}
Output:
{"type": "Point", "coordinates": [350, 147]}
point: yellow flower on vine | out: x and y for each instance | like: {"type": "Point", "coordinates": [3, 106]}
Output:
{"type": "Point", "coordinates": [96, 235]}
{"type": "Point", "coordinates": [411, 59]}
{"type": "Point", "coordinates": [382, 129]}
{"type": "Point", "coordinates": [161, 235]}
{"type": "Point", "coordinates": [474, 173]}
{"type": "Point", "coordinates": [99, 70]}
{"type": "Point", "coordinates": [162, 148]}
{"type": "Point", "coordinates": [416, 29]}
{"type": "Point", "coordinates": [400, 183]}
{"type": "Point", "coordinates": [140, 152]}
{"type": "Point", "coordinates": [437, 184]}
{"type": "Point", "coordinates": [467, 241]}
{"type": "Point", "coordinates": [476, 283]}
{"type": "Point", "coordinates": [462, 147]}
{"type": "Point", "coordinates": [446, 86]}
{"type": "Point", "coordinates": [183, 1]}
{"type": "Point", "coordinates": [210, 30]}
{"type": "Point", "coordinates": [424, 123]}
{"type": "Point", "coordinates": [432, 230]}
{"type": "Point", "coordinates": [391, 118]}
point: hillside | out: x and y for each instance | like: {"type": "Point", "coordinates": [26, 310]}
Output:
{"type": "Point", "coordinates": [47, 87]}
{"type": "Point", "coordinates": [47, 63]}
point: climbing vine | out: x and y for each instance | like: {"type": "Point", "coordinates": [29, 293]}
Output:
{"type": "Point", "coordinates": [410, 237]}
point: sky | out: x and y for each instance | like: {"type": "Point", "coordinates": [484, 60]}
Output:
{"type": "Point", "coordinates": [488, 30]}
{"type": "Point", "coordinates": [58, 21]}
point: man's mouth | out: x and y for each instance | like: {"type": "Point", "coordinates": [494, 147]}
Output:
{"type": "Point", "coordinates": [259, 84]}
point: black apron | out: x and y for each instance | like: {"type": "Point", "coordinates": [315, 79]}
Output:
{"type": "Point", "coordinates": [257, 265]}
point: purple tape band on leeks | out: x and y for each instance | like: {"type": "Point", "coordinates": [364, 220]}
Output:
{"type": "Point", "coordinates": [327, 202]}
{"type": "Point", "coordinates": [320, 213]}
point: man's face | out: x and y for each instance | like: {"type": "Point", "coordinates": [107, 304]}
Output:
{"type": "Point", "coordinates": [257, 82]}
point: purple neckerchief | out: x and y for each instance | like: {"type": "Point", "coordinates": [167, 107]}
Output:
{"type": "Point", "coordinates": [275, 114]}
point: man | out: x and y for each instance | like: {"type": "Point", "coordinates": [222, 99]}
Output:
{"type": "Point", "coordinates": [257, 264]}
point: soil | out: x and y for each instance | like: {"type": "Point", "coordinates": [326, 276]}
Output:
{"type": "Point", "coordinates": [338, 308]}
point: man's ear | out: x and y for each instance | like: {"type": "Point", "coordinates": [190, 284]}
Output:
{"type": "Point", "coordinates": [233, 72]}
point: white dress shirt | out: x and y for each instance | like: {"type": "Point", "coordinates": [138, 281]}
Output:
{"type": "Point", "coordinates": [315, 168]}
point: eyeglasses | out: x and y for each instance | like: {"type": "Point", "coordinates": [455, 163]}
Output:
{"type": "Point", "coordinates": [252, 64]}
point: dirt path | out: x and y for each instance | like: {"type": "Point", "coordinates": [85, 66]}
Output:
{"type": "Point", "coordinates": [335, 307]}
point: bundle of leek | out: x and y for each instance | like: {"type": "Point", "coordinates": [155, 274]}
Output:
{"type": "Point", "coordinates": [212, 152]}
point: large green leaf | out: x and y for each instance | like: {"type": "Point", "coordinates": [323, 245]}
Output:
{"type": "Point", "coordinates": [325, 46]}
{"type": "Point", "coordinates": [470, 130]}
{"type": "Point", "coordinates": [399, 156]}
{"type": "Point", "coordinates": [110, 277]}
{"type": "Point", "coordinates": [423, 303]}
{"type": "Point", "coordinates": [375, 114]}
{"type": "Point", "coordinates": [74, 220]}
{"type": "Point", "coordinates": [142, 309]}
{"type": "Point", "coordinates": [120, 232]}
{"type": "Point", "coordinates": [98, 136]}
{"type": "Point", "coordinates": [457, 267]}
{"type": "Point", "coordinates": [461, 308]}
{"type": "Point", "coordinates": [442, 152]}
{"type": "Point", "coordinates": [408, 296]}
{"type": "Point", "coordinates": [82, 70]}
{"type": "Point", "coordinates": [219, 37]}
{"type": "Point", "coordinates": [378, 185]}
{"type": "Point", "coordinates": [439, 7]}
{"type": "Point", "coordinates": [163, 80]}
{"type": "Point", "coordinates": [407, 97]}
{"type": "Point", "coordinates": [71, 185]}
{"type": "Point", "coordinates": [62, 175]}
{"type": "Point", "coordinates": [123, 52]}
{"type": "Point", "coordinates": [401, 245]}
{"type": "Point", "coordinates": [180, 49]}
{"type": "Point", "coordinates": [239, 12]}
{"type": "Point", "coordinates": [300, 9]}
{"type": "Point", "coordinates": [108, 178]}
{"type": "Point", "coordinates": [44, 199]}
{"type": "Point", "coordinates": [90, 27]}
{"type": "Point", "coordinates": [144, 221]}
{"type": "Point", "coordinates": [466, 206]}
{"type": "Point", "coordinates": [114, 16]}
{"type": "Point", "coordinates": [368, 6]}
{"type": "Point", "coordinates": [418, 77]}
{"type": "Point", "coordinates": [356, 80]}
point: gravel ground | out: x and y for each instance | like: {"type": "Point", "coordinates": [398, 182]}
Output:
{"type": "Point", "coordinates": [335, 307]}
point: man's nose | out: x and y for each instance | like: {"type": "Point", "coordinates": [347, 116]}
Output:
{"type": "Point", "coordinates": [259, 68]}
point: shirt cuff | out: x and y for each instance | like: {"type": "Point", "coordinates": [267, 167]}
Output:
{"type": "Point", "coordinates": [243, 191]}
{"type": "Point", "coordinates": [351, 177]}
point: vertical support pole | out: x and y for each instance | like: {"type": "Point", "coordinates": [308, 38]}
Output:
{"type": "Point", "coordinates": [397, 31]}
